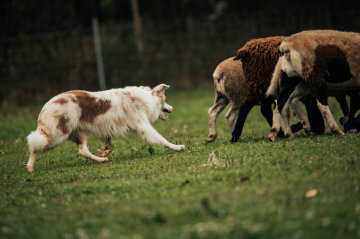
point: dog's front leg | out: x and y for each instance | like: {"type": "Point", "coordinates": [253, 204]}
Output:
{"type": "Point", "coordinates": [148, 133]}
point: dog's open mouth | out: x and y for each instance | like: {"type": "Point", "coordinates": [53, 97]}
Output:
{"type": "Point", "coordinates": [164, 115]}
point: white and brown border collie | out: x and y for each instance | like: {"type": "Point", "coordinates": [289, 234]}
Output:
{"type": "Point", "coordinates": [76, 114]}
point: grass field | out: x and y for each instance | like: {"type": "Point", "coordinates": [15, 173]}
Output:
{"type": "Point", "coordinates": [302, 188]}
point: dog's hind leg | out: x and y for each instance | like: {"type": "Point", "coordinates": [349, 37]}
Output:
{"type": "Point", "coordinates": [37, 143]}
{"type": "Point", "coordinates": [81, 140]}
{"type": "Point", "coordinates": [31, 162]}
{"type": "Point", "coordinates": [41, 140]}
{"type": "Point", "coordinates": [107, 147]}
{"type": "Point", "coordinates": [148, 133]}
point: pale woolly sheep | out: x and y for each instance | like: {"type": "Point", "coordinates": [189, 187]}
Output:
{"type": "Point", "coordinates": [324, 62]}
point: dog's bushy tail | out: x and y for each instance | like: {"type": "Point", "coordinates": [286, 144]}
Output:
{"type": "Point", "coordinates": [37, 142]}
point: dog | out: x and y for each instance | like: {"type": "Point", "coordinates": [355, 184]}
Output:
{"type": "Point", "coordinates": [75, 115]}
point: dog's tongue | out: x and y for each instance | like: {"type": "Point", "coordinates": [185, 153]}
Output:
{"type": "Point", "coordinates": [167, 111]}
{"type": "Point", "coordinates": [166, 117]}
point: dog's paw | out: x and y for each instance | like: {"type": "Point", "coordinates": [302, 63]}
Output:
{"type": "Point", "coordinates": [104, 160]}
{"type": "Point", "coordinates": [101, 154]}
{"type": "Point", "coordinates": [179, 147]}
{"type": "Point", "coordinates": [30, 169]}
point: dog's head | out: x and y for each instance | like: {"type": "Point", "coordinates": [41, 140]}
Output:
{"type": "Point", "coordinates": [159, 92]}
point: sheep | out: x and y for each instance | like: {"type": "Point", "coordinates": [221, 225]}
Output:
{"type": "Point", "coordinates": [230, 88]}
{"type": "Point", "coordinates": [318, 63]}
{"type": "Point", "coordinates": [259, 57]}
{"type": "Point", "coordinates": [243, 93]}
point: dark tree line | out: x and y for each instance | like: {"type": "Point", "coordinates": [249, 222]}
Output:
{"type": "Point", "coordinates": [22, 17]}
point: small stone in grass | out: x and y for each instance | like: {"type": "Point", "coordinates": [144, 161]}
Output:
{"type": "Point", "coordinates": [311, 193]}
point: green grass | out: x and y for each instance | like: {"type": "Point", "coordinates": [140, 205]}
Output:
{"type": "Point", "coordinates": [259, 193]}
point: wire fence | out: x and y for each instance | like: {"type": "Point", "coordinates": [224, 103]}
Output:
{"type": "Point", "coordinates": [180, 52]}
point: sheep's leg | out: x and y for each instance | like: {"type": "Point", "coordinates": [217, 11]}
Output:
{"type": "Point", "coordinates": [293, 103]}
{"type": "Point", "coordinates": [322, 102]}
{"type": "Point", "coordinates": [244, 110]}
{"type": "Point", "coordinates": [325, 111]}
{"type": "Point", "coordinates": [267, 112]}
{"type": "Point", "coordinates": [354, 107]}
{"type": "Point", "coordinates": [220, 103]}
{"type": "Point", "coordinates": [289, 85]}
{"type": "Point", "coordinates": [341, 99]}
{"type": "Point", "coordinates": [107, 147]}
{"type": "Point", "coordinates": [315, 117]}
{"type": "Point", "coordinates": [275, 129]}
{"type": "Point", "coordinates": [285, 121]}
{"type": "Point", "coordinates": [356, 123]}
{"type": "Point", "coordinates": [315, 122]}
{"type": "Point", "coordinates": [230, 117]}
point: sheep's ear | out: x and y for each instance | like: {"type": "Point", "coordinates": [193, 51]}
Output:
{"type": "Point", "coordinates": [160, 89]}
{"type": "Point", "coordinates": [241, 54]}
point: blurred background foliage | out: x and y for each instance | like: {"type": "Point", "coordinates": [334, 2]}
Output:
{"type": "Point", "coordinates": [47, 47]}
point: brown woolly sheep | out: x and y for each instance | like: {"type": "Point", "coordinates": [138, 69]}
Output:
{"type": "Point", "coordinates": [259, 57]}
{"type": "Point", "coordinates": [319, 60]}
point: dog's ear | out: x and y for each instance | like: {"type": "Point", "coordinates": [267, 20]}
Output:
{"type": "Point", "coordinates": [160, 89]}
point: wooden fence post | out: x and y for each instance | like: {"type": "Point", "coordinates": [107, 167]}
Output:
{"type": "Point", "coordinates": [98, 51]}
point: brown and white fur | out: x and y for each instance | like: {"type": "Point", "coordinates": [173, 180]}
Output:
{"type": "Point", "coordinates": [106, 114]}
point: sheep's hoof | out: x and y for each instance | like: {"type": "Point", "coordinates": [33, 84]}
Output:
{"type": "Point", "coordinates": [272, 136]}
{"type": "Point", "coordinates": [212, 138]}
{"type": "Point", "coordinates": [290, 135]}
{"type": "Point", "coordinates": [337, 131]}
{"type": "Point", "coordinates": [233, 140]}
{"type": "Point", "coordinates": [30, 169]}
{"type": "Point", "coordinates": [343, 120]}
